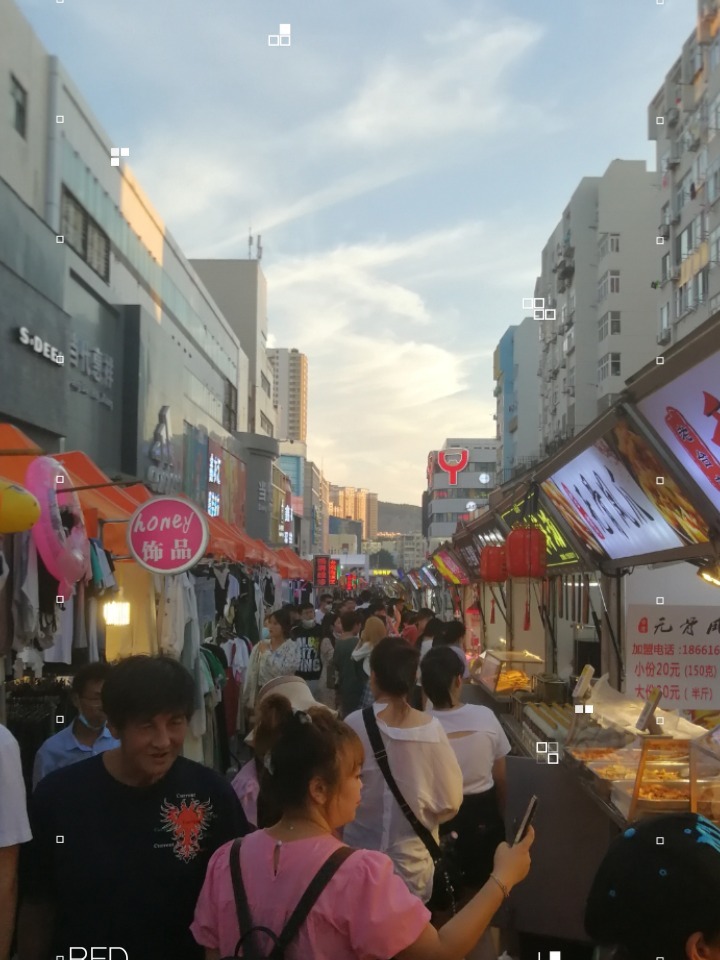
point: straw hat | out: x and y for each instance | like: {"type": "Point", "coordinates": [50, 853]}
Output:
{"type": "Point", "coordinates": [295, 690]}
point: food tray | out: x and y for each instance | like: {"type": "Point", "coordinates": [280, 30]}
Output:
{"type": "Point", "coordinates": [622, 792]}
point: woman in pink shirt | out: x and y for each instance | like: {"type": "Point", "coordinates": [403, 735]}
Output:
{"type": "Point", "coordinates": [365, 912]}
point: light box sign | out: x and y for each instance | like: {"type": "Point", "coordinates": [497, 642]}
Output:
{"type": "Point", "coordinates": [469, 555]}
{"type": "Point", "coordinates": [427, 574]}
{"type": "Point", "coordinates": [490, 536]}
{"type": "Point", "coordinates": [168, 535]}
{"type": "Point", "coordinates": [559, 552]}
{"type": "Point", "coordinates": [450, 569]}
{"type": "Point", "coordinates": [613, 514]}
{"type": "Point", "coordinates": [686, 416]}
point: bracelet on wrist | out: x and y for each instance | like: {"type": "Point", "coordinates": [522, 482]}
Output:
{"type": "Point", "coordinates": [503, 888]}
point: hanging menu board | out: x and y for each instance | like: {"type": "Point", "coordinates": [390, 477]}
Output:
{"type": "Point", "coordinates": [610, 497]}
{"type": "Point", "coordinates": [685, 414]}
{"type": "Point", "coordinates": [559, 552]}
{"type": "Point", "coordinates": [469, 554]}
{"type": "Point", "coordinates": [325, 572]}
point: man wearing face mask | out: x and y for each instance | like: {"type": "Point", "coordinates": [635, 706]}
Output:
{"type": "Point", "coordinates": [88, 734]}
{"type": "Point", "coordinates": [308, 635]}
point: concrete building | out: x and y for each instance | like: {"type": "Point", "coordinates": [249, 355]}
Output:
{"type": "Point", "coordinates": [344, 543]}
{"type": "Point", "coordinates": [372, 514]}
{"type": "Point", "coordinates": [684, 121]}
{"type": "Point", "coordinates": [446, 503]}
{"type": "Point", "coordinates": [240, 289]}
{"type": "Point", "coordinates": [598, 324]}
{"type": "Point", "coordinates": [341, 526]}
{"type": "Point", "coordinates": [316, 510]}
{"type": "Point", "coordinates": [517, 391]}
{"type": "Point", "coordinates": [290, 392]}
{"type": "Point", "coordinates": [154, 380]}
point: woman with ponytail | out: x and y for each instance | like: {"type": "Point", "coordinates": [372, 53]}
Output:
{"type": "Point", "coordinates": [363, 910]}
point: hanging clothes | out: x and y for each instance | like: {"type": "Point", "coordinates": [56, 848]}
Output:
{"type": "Point", "coordinates": [140, 636]}
{"type": "Point", "coordinates": [6, 595]}
{"type": "Point", "coordinates": [25, 601]}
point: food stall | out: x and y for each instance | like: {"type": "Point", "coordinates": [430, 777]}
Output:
{"type": "Point", "coordinates": [639, 489]}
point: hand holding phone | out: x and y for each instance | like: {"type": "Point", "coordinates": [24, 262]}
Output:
{"type": "Point", "coordinates": [526, 820]}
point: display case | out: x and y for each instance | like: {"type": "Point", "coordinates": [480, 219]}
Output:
{"type": "Point", "coordinates": [504, 672]}
{"type": "Point", "coordinates": [705, 775]}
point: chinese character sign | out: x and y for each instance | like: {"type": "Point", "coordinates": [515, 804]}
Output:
{"type": "Point", "coordinates": [676, 649]}
{"type": "Point", "coordinates": [322, 571]}
{"type": "Point", "coordinates": [167, 535]}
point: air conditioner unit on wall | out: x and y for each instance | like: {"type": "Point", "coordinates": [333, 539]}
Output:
{"type": "Point", "coordinates": [664, 231]}
{"type": "Point", "coordinates": [672, 116]}
{"type": "Point", "coordinates": [665, 335]}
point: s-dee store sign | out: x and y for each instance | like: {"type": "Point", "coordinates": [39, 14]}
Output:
{"type": "Point", "coordinates": [167, 535]}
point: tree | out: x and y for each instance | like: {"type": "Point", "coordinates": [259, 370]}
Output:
{"type": "Point", "coordinates": [382, 560]}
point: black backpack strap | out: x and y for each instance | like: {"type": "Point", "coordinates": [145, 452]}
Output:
{"type": "Point", "coordinates": [376, 742]}
{"type": "Point", "coordinates": [242, 907]}
{"type": "Point", "coordinates": [308, 900]}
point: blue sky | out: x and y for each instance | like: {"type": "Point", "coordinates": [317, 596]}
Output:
{"type": "Point", "coordinates": [405, 163]}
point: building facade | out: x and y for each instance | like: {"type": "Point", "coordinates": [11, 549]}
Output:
{"type": "Point", "coordinates": [684, 122]}
{"type": "Point", "coordinates": [152, 380]}
{"type": "Point", "coordinates": [239, 288]}
{"type": "Point", "coordinates": [352, 503]}
{"type": "Point", "coordinates": [453, 495]}
{"type": "Point", "coordinates": [597, 319]}
{"type": "Point", "coordinates": [290, 392]}
{"type": "Point", "coordinates": [517, 393]}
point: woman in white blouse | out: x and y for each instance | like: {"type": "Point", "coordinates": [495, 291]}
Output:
{"type": "Point", "coordinates": [277, 657]}
{"type": "Point", "coordinates": [421, 761]}
{"type": "Point", "coordinates": [481, 746]}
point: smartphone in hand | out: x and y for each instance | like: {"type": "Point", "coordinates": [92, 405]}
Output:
{"type": "Point", "coordinates": [526, 821]}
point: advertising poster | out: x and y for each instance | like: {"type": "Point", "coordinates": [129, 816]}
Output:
{"type": "Point", "coordinates": [559, 552]}
{"type": "Point", "coordinates": [677, 650]}
{"type": "Point", "coordinates": [215, 478]}
{"type": "Point", "coordinates": [469, 554]}
{"type": "Point", "coordinates": [606, 496]}
{"type": "Point", "coordinates": [233, 497]}
{"type": "Point", "coordinates": [685, 414]}
{"type": "Point", "coordinates": [448, 566]}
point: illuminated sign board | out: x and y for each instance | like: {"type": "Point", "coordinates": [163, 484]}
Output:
{"type": "Point", "coordinates": [469, 554]}
{"type": "Point", "coordinates": [454, 468]}
{"type": "Point", "coordinates": [325, 572]}
{"type": "Point", "coordinates": [686, 416]}
{"type": "Point", "coordinates": [490, 536]}
{"type": "Point", "coordinates": [559, 552]}
{"type": "Point", "coordinates": [383, 573]}
{"type": "Point", "coordinates": [610, 498]}
{"type": "Point", "coordinates": [446, 564]}
{"type": "Point", "coordinates": [428, 576]}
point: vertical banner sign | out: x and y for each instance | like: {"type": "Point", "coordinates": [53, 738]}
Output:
{"type": "Point", "coordinates": [453, 469]}
{"type": "Point", "coordinates": [167, 535]}
{"type": "Point", "coordinates": [676, 649]}
{"type": "Point", "coordinates": [321, 573]}
{"type": "Point", "coordinates": [333, 572]}
{"type": "Point", "coordinates": [215, 478]}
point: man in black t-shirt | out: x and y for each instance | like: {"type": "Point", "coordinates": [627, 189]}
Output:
{"type": "Point", "coordinates": [121, 841]}
{"type": "Point", "coordinates": [307, 634]}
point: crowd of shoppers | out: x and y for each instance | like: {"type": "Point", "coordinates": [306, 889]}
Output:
{"type": "Point", "coordinates": [126, 843]}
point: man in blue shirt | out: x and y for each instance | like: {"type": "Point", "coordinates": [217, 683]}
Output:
{"type": "Point", "coordinates": [88, 734]}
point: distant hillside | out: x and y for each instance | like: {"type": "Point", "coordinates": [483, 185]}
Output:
{"type": "Point", "coordinates": [399, 518]}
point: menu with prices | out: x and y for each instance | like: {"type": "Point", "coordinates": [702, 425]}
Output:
{"type": "Point", "coordinates": [326, 571]}
{"type": "Point", "coordinates": [674, 649]}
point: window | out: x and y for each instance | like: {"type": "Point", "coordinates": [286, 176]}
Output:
{"type": "Point", "coordinates": [18, 93]}
{"type": "Point", "coordinates": [715, 54]}
{"type": "Point", "coordinates": [265, 383]}
{"type": "Point", "coordinates": [609, 366]}
{"type": "Point", "coordinates": [603, 246]}
{"type": "Point", "coordinates": [266, 425]}
{"type": "Point", "coordinates": [614, 243]}
{"type": "Point", "coordinates": [230, 407]}
{"type": "Point", "coordinates": [84, 236]}
{"type": "Point", "coordinates": [685, 299]}
{"type": "Point", "coordinates": [665, 316]}
{"type": "Point", "coordinates": [609, 324]}
{"type": "Point", "coordinates": [603, 286]}
{"type": "Point", "coordinates": [614, 281]}
{"type": "Point", "coordinates": [665, 268]}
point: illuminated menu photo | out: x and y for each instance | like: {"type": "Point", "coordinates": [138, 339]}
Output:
{"type": "Point", "coordinates": [610, 498]}
{"type": "Point", "coordinates": [559, 552]}
{"type": "Point", "coordinates": [686, 416]}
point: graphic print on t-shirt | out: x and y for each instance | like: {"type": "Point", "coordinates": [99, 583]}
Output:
{"type": "Point", "coordinates": [310, 663]}
{"type": "Point", "coordinates": [188, 824]}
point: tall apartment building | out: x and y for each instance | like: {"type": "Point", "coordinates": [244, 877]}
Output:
{"type": "Point", "coordinates": [290, 392]}
{"type": "Point", "coordinates": [316, 509]}
{"type": "Point", "coordinates": [597, 322]}
{"type": "Point", "coordinates": [517, 392]}
{"type": "Point", "coordinates": [240, 289]}
{"type": "Point", "coordinates": [446, 503]}
{"type": "Point", "coordinates": [684, 121]}
{"type": "Point", "coordinates": [355, 504]}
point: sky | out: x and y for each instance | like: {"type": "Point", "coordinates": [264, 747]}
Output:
{"type": "Point", "coordinates": [405, 163]}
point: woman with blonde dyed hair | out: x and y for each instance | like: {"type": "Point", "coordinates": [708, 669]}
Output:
{"type": "Point", "coordinates": [373, 632]}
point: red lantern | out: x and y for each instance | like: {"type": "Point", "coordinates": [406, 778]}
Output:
{"type": "Point", "coordinates": [493, 565]}
{"type": "Point", "coordinates": [526, 550]}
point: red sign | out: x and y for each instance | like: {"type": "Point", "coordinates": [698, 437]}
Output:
{"type": "Point", "coordinates": [326, 572]}
{"type": "Point", "coordinates": [453, 469]}
{"type": "Point", "coordinates": [168, 535]}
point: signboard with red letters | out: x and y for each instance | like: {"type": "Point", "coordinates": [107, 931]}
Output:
{"type": "Point", "coordinates": [677, 650]}
{"type": "Point", "coordinates": [168, 535]}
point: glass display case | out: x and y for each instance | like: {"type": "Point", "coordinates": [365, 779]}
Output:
{"type": "Point", "coordinates": [502, 672]}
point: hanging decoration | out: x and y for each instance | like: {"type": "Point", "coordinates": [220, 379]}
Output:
{"type": "Point", "coordinates": [526, 553]}
{"type": "Point", "coordinates": [19, 509]}
{"type": "Point", "coordinates": [493, 565]}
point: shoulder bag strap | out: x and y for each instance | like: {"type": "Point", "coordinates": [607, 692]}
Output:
{"type": "Point", "coordinates": [376, 742]}
{"type": "Point", "coordinates": [242, 907]}
{"type": "Point", "coordinates": [308, 900]}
